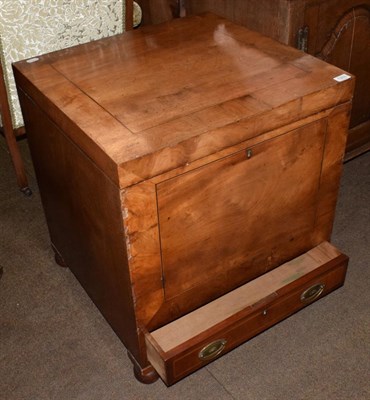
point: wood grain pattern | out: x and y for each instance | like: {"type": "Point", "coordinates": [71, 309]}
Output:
{"type": "Point", "coordinates": [272, 18]}
{"type": "Point", "coordinates": [124, 111]}
{"type": "Point", "coordinates": [139, 210]}
{"type": "Point", "coordinates": [348, 47]}
{"type": "Point", "coordinates": [178, 162]}
{"type": "Point", "coordinates": [202, 319]}
{"type": "Point", "coordinates": [255, 198]}
{"type": "Point", "coordinates": [241, 314]}
{"type": "Point", "coordinates": [335, 141]}
{"type": "Point", "coordinates": [338, 32]}
{"type": "Point", "coordinates": [312, 222]}
{"type": "Point", "coordinates": [82, 207]}
{"type": "Point", "coordinates": [142, 228]}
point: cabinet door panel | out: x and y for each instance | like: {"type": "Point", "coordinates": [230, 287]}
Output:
{"type": "Point", "coordinates": [341, 36]}
{"type": "Point", "coordinates": [360, 66]}
{"type": "Point", "coordinates": [337, 50]}
{"type": "Point", "coordinates": [241, 216]}
{"type": "Point", "coordinates": [328, 15]}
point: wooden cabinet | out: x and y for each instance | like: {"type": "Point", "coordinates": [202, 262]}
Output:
{"type": "Point", "coordinates": [335, 31]}
{"type": "Point", "coordinates": [189, 169]}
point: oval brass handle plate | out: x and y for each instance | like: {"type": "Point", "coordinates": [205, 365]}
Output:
{"type": "Point", "coordinates": [312, 293]}
{"type": "Point", "coordinates": [212, 350]}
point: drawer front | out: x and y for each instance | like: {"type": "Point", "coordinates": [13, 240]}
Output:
{"type": "Point", "coordinates": [174, 363]}
{"type": "Point", "coordinates": [264, 318]}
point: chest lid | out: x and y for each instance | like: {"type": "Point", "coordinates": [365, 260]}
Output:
{"type": "Point", "coordinates": [151, 100]}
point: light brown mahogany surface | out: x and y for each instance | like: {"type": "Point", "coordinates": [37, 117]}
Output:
{"type": "Point", "coordinates": [219, 208]}
{"type": "Point", "coordinates": [192, 324]}
{"type": "Point", "coordinates": [154, 99]}
{"type": "Point", "coordinates": [338, 32]}
{"type": "Point", "coordinates": [180, 161]}
{"type": "Point", "coordinates": [177, 349]}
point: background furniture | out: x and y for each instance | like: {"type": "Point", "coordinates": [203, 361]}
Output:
{"type": "Point", "coordinates": [155, 11]}
{"type": "Point", "coordinates": [28, 29]}
{"type": "Point", "coordinates": [337, 31]}
{"type": "Point", "coordinates": [165, 196]}
{"type": "Point", "coordinates": [10, 137]}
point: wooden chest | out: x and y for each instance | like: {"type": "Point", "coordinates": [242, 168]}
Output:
{"type": "Point", "coordinates": [337, 31]}
{"type": "Point", "coordinates": [189, 174]}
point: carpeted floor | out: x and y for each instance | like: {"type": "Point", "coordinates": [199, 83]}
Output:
{"type": "Point", "coordinates": [54, 344]}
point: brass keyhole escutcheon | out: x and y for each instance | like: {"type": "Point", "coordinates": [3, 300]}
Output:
{"type": "Point", "coordinates": [312, 293]}
{"type": "Point", "coordinates": [212, 350]}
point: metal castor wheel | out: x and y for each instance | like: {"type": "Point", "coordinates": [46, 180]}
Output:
{"type": "Point", "coordinates": [59, 260]}
{"type": "Point", "coordinates": [26, 191]}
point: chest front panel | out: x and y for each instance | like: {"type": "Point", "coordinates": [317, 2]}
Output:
{"type": "Point", "coordinates": [203, 232]}
{"type": "Point", "coordinates": [240, 216]}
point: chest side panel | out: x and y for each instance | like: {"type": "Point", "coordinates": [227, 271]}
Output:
{"type": "Point", "coordinates": [82, 209]}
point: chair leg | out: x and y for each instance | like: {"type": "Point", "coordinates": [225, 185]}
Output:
{"type": "Point", "coordinates": [11, 140]}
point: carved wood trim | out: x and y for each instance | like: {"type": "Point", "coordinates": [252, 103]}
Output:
{"type": "Point", "coordinates": [348, 21]}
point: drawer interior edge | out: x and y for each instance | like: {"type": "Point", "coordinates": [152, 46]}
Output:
{"type": "Point", "coordinates": [246, 299]}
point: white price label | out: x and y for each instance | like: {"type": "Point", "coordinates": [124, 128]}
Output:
{"type": "Point", "coordinates": [32, 60]}
{"type": "Point", "coordinates": [341, 78]}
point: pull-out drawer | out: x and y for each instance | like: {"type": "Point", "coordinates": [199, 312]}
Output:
{"type": "Point", "coordinates": [185, 345]}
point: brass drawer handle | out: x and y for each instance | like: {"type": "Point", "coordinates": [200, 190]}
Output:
{"type": "Point", "coordinates": [212, 350]}
{"type": "Point", "coordinates": [312, 292]}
